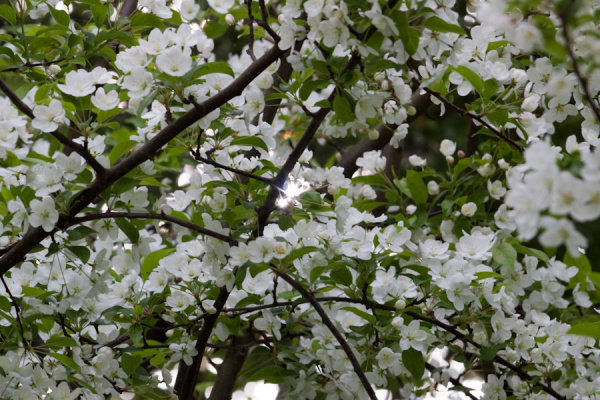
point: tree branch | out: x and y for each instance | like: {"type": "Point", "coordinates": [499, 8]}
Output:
{"type": "Point", "coordinates": [161, 216]}
{"type": "Point", "coordinates": [79, 149]}
{"type": "Point", "coordinates": [251, 34]}
{"type": "Point", "coordinates": [185, 385]}
{"type": "Point", "coordinates": [371, 304]}
{"type": "Point", "coordinates": [33, 236]}
{"type": "Point", "coordinates": [475, 117]}
{"type": "Point", "coordinates": [336, 333]}
{"type": "Point", "coordinates": [564, 17]}
{"type": "Point", "coordinates": [265, 21]}
{"type": "Point", "coordinates": [250, 175]}
{"type": "Point", "coordinates": [231, 366]}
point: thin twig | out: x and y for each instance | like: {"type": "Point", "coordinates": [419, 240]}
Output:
{"type": "Point", "coordinates": [564, 17]}
{"type": "Point", "coordinates": [161, 216]}
{"type": "Point", "coordinates": [212, 162]}
{"type": "Point", "coordinates": [455, 382]}
{"type": "Point", "coordinates": [79, 149]}
{"type": "Point", "coordinates": [265, 21]}
{"type": "Point", "coordinates": [476, 117]}
{"type": "Point", "coordinates": [251, 34]}
{"type": "Point", "coordinates": [18, 312]}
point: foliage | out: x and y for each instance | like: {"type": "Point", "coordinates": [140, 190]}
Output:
{"type": "Point", "coordinates": [291, 187]}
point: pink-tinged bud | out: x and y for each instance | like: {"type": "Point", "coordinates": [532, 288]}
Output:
{"type": "Point", "coordinates": [230, 19]}
{"type": "Point", "coordinates": [410, 210]}
{"type": "Point", "coordinates": [460, 154]}
{"type": "Point", "coordinates": [450, 159]}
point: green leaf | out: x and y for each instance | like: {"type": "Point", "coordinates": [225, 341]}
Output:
{"type": "Point", "coordinates": [151, 261]}
{"type": "Point", "coordinates": [342, 276]}
{"type": "Point", "coordinates": [66, 361]}
{"type": "Point", "coordinates": [130, 362]}
{"type": "Point", "coordinates": [5, 304]}
{"type": "Point", "coordinates": [128, 229]}
{"type": "Point", "coordinates": [584, 268]}
{"type": "Point", "coordinates": [146, 102]}
{"type": "Point", "coordinates": [57, 342]}
{"type": "Point", "coordinates": [149, 20]}
{"type": "Point", "coordinates": [505, 255]}
{"type": "Point", "coordinates": [310, 86]}
{"type": "Point", "coordinates": [151, 181]}
{"type": "Point", "coordinates": [413, 361]}
{"type": "Point", "coordinates": [100, 12]}
{"type": "Point", "coordinates": [488, 353]}
{"type": "Point", "coordinates": [43, 92]}
{"type": "Point", "coordinates": [342, 109]}
{"type": "Point", "coordinates": [297, 253]}
{"type": "Point", "coordinates": [364, 315]}
{"type": "Point", "coordinates": [83, 253]}
{"type": "Point", "coordinates": [252, 141]}
{"type": "Point", "coordinates": [104, 115]}
{"type": "Point", "coordinates": [29, 291]}
{"type": "Point", "coordinates": [217, 67]}
{"type": "Point", "coordinates": [271, 374]}
{"type": "Point", "coordinates": [9, 14]}
{"type": "Point", "coordinates": [136, 334]}
{"type": "Point", "coordinates": [408, 36]}
{"type": "Point", "coordinates": [498, 117]}
{"type": "Point", "coordinates": [470, 76]}
{"type": "Point", "coordinates": [60, 16]}
{"type": "Point", "coordinates": [530, 252]}
{"type": "Point", "coordinates": [437, 24]}
{"type": "Point", "coordinates": [487, 274]}
{"type": "Point", "coordinates": [589, 329]}
{"type": "Point", "coordinates": [490, 87]}
{"type": "Point", "coordinates": [214, 29]}
{"type": "Point", "coordinates": [121, 149]}
{"type": "Point", "coordinates": [417, 187]}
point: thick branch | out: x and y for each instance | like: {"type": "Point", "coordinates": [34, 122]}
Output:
{"type": "Point", "coordinates": [18, 250]}
{"type": "Point", "coordinates": [334, 330]}
{"type": "Point", "coordinates": [162, 216]}
{"type": "Point", "coordinates": [79, 149]}
{"type": "Point", "coordinates": [231, 366]}
{"type": "Point", "coordinates": [187, 377]}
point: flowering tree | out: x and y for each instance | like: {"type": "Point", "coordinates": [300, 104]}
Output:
{"type": "Point", "coordinates": [252, 182]}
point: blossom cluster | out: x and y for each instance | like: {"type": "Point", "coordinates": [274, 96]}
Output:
{"type": "Point", "coordinates": [166, 198]}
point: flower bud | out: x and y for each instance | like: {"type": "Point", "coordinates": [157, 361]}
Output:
{"type": "Point", "coordinates": [373, 134]}
{"type": "Point", "coordinates": [449, 159]}
{"type": "Point", "coordinates": [433, 188]}
{"type": "Point", "coordinates": [230, 19]}
{"type": "Point", "coordinates": [400, 304]}
{"type": "Point", "coordinates": [460, 154]}
{"type": "Point", "coordinates": [385, 85]}
{"type": "Point", "coordinates": [410, 210]}
{"type": "Point", "coordinates": [503, 164]}
{"type": "Point", "coordinates": [398, 322]}
{"type": "Point", "coordinates": [410, 110]}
